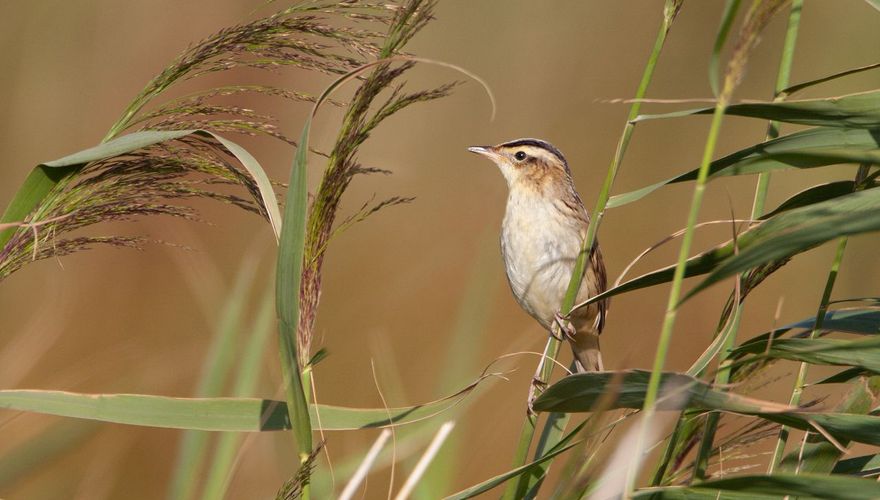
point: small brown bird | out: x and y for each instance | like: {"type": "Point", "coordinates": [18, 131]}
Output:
{"type": "Point", "coordinates": [544, 227]}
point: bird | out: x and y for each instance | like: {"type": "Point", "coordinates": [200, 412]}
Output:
{"type": "Point", "coordinates": [544, 228]}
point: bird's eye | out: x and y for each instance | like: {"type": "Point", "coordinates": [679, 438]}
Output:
{"type": "Point", "coordinates": [520, 156]}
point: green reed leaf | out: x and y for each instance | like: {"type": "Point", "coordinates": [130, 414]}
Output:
{"type": "Point", "coordinates": [730, 10]}
{"type": "Point", "coordinates": [866, 321]}
{"type": "Point", "coordinates": [862, 353]}
{"type": "Point", "coordinates": [865, 465]}
{"type": "Point", "coordinates": [36, 186]}
{"type": "Point", "coordinates": [229, 444]}
{"type": "Point", "coordinates": [500, 479]}
{"type": "Point", "coordinates": [214, 414]}
{"type": "Point", "coordinates": [216, 369]}
{"type": "Point", "coordinates": [818, 456]}
{"type": "Point", "coordinates": [811, 148]}
{"type": "Point", "coordinates": [47, 175]}
{"type": "Point", "coordinates": [288, 281]}
{"type": "Point", "coordinates": [30, 457]}
{"type": "Point", "coordinates": [860, 110]}
{"type": "Point", "coordinates": [582, 391]}
{"type": "Point", "coordinates": [783, 235]}
{"type": "Point", "coordinates": [813, 195]}
{"type": "Point", "coordinates": [769, 486]}
{"type": "Point", "coordinates": [799, 230]}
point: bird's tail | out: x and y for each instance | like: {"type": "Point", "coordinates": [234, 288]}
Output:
{"type": "Point", "coordinates": [585, 346]}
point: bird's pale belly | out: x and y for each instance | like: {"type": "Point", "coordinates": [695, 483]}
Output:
{"type": "Point", "coordinates": [539, 259]}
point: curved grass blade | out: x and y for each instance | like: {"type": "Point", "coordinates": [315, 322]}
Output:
{"type": "Point", "coordinates": [818, 456]}
{"type": "Point", "coordinates": [730, 10]}
{"type": "Point", "coordinates": [815, 194]}
{"type": "Point", "coordinates": [784, 235]}
{"type": "Point", "coordinates": [815, 223]}
{"type": "Point", "coordinates": [47, 175]}
{"type": "Point", "coordinates": [799, 230]}
{"type": "Point", "coordinates": [288, 280]}
{"type": "Point", "coordinates": [35, 187]}
{"type": "Point", "coordinates": [214, 414]}
{"type": "Point", "coordinates": [228, 444]}
{"type": "Point", "coordinates": [864, 354]}
{"type": "Point", "coordinates": [800, 86]}
{"type": "Point", "coordinates": [844, 376]}
{"type": "Point", "coordinates": [860, 110]}
{"type": "Point", "coordinates": [290, 263]}
{"type": "Point", "coordinates": [581, 392]}
{"type": "Point", "coordinates": [216, 369]}
{"type": "Point", "coordinates": [864, 321]}
{"type": "Point", "coordinates": [561, 447]}
{"type": "Point", "coordinates": [865, 466]}
{"type": "Point", "coordinates": [811, 148]}
{"type": "Point", "coordinates": [31, 456]}
{"type": "Point", "coordinates": [778, 485]}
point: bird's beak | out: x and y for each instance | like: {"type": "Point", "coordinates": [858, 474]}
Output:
{"type": "Point", "coordinates": [483, 150]}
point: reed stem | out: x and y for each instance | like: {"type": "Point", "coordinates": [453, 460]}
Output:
{"type": "Point", "coordinates": [722, 377]}
{"type": "Point", "coordinates": [556, 423]}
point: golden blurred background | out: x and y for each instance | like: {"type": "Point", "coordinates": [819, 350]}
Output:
{"type": "Point", "coordinates": [140, 322]}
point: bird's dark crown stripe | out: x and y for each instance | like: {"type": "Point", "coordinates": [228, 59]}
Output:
{"type": "Point", "coordinates": [537, 144]}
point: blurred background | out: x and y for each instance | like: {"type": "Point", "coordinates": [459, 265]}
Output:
{"type": "Point", "coordinates": [397, 287]}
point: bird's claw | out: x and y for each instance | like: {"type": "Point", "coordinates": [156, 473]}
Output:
{"type": "Point", "coordinates": [536, 386]}
{"type": "Point", "coordinates": [565, 326]}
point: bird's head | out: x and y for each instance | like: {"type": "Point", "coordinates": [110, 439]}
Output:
{"type": "Point", "coordinates": [527, 162]}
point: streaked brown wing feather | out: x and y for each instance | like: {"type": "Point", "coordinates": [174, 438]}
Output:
{"type": "Point", "coordinates": [598, 265]}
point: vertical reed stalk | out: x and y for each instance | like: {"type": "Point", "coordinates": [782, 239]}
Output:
{"type": "Point", "coordinates": [783, 78]}
{"type": "Point", "coordinates": [678, 277]}
{"type": "Point", "coordinates": [555, 424]}
{"type": "Point", "coordinates": [756, 19]}
{"type": "Point", "coordinates": [800, 380]}
{"type": "Point", "coordinates": [722, 378]}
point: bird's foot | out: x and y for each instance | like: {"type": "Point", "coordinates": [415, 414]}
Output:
{"type": "Point", "coordinates": [565, 326]}
{"type": "Point", "coordinates": [535, 388]}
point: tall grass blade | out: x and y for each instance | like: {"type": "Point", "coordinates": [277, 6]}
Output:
{"type": "Point", "coordinates": [30, 456]}
{"type": "Point", "coordinates": [863, 354]}
{"type": "Point", "coordinates": [288, 281]}
{"type": "Point", "coordinates": [47, 175]}
{"type": "Point", "coordinates": [462, 358]}
{"type": "Point", "coordinates": [778, 485]}
{"type": "Point", "coordinates": [812, 148]}
{"type": "Point", "coordinates": [813, 195]}
{"type": "Point", "coordinates": [801, 229]}
{"type": "Point", "coordinates": [866, 321]}
{"type": "Point", "coordinates": [216, 369]}
{"type": "Point", "coordinates": [860, 110]}
{"type": "Point", "coordinates": [364, 468]}
{"type": "Point", "coordinates": [215, 414]}
{"type": "Point", "coordinates": [582, 392]}
{"type": "Point", "coordinates": [500, 479]}
{"type": "Point", "coordinates": [247, 377]}
{"type": "Point", "coordinates": [803, 85]}
{"type": "Point", "coordinates": [783, 235]}
{"type": "Point", "coordinates": [865, 465]}
{"type": "Point", "coordinates": [817, 455]}
{"type": "Point", "coordinates": [424, 461]}
{"type": "Point", "coordinates": [556, 423]}
{"type": "Point", "coordinates": [36, 186]}
{"type": "Point", "coordinates": [730, 10]}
